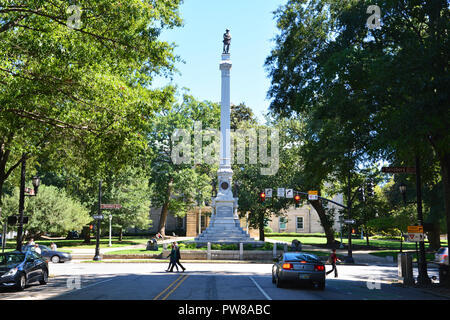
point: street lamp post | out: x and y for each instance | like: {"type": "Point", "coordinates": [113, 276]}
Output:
{"type": "Point", "coordinates": [110, 220]}
{"type": "Point", "coordinates": [36, 182]}
{"type": "Point", "coordinates": [97, 244]}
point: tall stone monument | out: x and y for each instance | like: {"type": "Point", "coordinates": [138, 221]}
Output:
{"type": "Point", "coordinates": [224, 225]}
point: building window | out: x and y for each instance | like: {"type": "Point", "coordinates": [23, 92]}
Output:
{"type": "Point", "coordinates": [283, 223]}
{"type": "Point", "coordinates": [299, 223]}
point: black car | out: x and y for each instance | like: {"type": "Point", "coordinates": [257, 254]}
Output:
{"type": "Point", "coordinates": [19, 269]}
{"type": "Point", "coordinates": [73, 235]}
{"type": "Point", "coordinates": [49, 254]}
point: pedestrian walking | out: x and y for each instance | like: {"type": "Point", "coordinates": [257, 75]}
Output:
{"type": "Point", "coordinates": [178, 257]}
{"type": "Point", "coordinates": [173, 259]}
{"type": "Point", "coordinates": [37, 249]}
{"type": "Point", "coordinates": [333, 258]}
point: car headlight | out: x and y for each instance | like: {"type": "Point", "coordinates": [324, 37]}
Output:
{"type": "Point", "coordinates": [11, 272]}
{"type": "Point", "coordinates": [66, 255]}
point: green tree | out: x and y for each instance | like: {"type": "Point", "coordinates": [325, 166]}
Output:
{"type": "Point", "coordinates": [79, 92]}
{"type": "Point", "coordinates": [129, 188]}
{"type": "Point", "coordinates": [51, 211]}
{"type": "Point", "coordinates": [358, 88]}
{"type": "Point", "coordinates": [176, 187]}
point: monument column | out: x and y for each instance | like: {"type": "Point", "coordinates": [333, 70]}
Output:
{"type": "Point", "coordinates": [224, 225]}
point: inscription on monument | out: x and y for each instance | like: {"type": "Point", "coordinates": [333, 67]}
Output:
{"type": "Point", "coordinates": [224, 211]}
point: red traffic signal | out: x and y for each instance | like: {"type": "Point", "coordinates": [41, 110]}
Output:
{"type": "Point", "coordinates": [262, 196]}
{"type": "Point", "coordinates": [91, 227]}
{"type": "Point", "coordinates": [297, 198]}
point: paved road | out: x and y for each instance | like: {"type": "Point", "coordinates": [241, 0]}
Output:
{"type": "Point", "coordinates": [202, 281]}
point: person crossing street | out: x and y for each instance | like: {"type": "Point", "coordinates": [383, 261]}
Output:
{"type": "Point", "coordinates": [333, 258]}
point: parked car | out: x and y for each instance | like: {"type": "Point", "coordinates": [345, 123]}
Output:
{"type": "Point", "coordinates": [298, 268]}
{"type": "Point", "coordinates": [49, 254]}
{"type": "Point", "coordinates": [441, 256]}
{"type": "Point", "coordinates": [19, 269]}
{"type": "Point", "coordinates": [72, 235]}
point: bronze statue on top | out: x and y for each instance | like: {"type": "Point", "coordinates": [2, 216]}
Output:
{"type": "Point", "coordinates": [226, 41]}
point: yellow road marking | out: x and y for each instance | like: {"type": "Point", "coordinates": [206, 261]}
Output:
{"type": "Point", "coordinates": [178, 284]}
{"type": "Point", "coordinates": [173, 283]}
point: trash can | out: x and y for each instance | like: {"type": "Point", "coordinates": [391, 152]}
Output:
{"type": "Point", "coordinates": [444, 274]}
{"type": "Point", "coordinates": [405, 269]}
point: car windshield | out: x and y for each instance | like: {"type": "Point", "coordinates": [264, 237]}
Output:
{"type": "Point", "coordinates": [301, 257]}
{"type": "Point", "coordinates": [11, 258]}
{"type": "Point", "coordinates": [442, 250]}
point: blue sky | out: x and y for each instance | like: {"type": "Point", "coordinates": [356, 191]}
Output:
{"type": "Point", "coordinates": [199, 44]}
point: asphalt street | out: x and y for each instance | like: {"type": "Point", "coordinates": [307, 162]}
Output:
{"type": "Point", "coordinates": [209, 281]}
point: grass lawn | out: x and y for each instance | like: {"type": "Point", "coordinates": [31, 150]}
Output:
{"type": "Point", "coordinates": [303, 240]}
{"type": "Point", "coordinates": [394, 254]}
{"type": "Point", "coordinates": [134, 251]}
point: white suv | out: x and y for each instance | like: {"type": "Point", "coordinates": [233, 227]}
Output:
{"type": "Point", "coordinates": [441, 256]}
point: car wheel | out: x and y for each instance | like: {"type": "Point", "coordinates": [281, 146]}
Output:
{"type": "Point", "coordinates": [21, 282]}
{"type": "Point", "coordinates": [44, 279]}
{"type": "Point", "coordinates": [55, 259]}
{"type": "Point", "coordinates": [279, 283]}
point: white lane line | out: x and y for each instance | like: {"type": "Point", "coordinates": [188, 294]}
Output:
{"type": "Point", "coordinates": [260, 289]}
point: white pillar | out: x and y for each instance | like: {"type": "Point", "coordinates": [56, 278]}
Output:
{"type": "Point", "coordinates": [225, 149]}
{"type": "Point", "coordinates": [241, 251]}
{"type": "Point", "coordinates": [110, 219]}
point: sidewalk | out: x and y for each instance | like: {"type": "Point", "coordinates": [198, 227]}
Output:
{"type": "Point", "coordinates": [90, 252]}
{"type": "Point", "coordinates": [360, 257]}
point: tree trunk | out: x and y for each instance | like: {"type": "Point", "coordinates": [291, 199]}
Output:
{"type": "Point", "coordinates": [121, 234]}
{"type": "Point", "coordinates": [445, 168]}
{"type": "Point", "coordinates": [327, 225]}
{"type": "Point", "coordinates": [261, 226]}
{"type": "Point", "coordinates": [367, 236]}
{"type": "Point", "coordinates": [163, 219]}
{"type": "Point", "coordinates": [434, 237]}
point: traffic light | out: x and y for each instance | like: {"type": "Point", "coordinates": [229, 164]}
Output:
{"type": "Point", "coordinates": [91, 227]}
{"type": "Point", "coordinates": [262, 196]}
{"type": "Point", "coordinates": [297, 200]}
{"type": "Point", "coordinates": [361, 195]}
{"type": "Point", "coordinates": [12, 220]}
{"type": "Point", "coordinates": [370, 189]}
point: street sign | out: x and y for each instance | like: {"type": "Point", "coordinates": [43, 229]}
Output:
{"type": "Point", "coordinates": [98, 217]}
{"type": "Point", "coordinates": [289, 193]}
{"type": "Point", "coordinates": [280, 192]}
{"type": "Point", "coordinates": [268, 193]}
{"type": "Point", "coordinates": [110, 206]}
{"type": "Point", "coordinates": [398, 169]}
{"type": "Point", "coordinates": [313, 195]}
{"type": "Point", "coordinates": [415, 229]}
{"type": "Point", "coordinates": [349, 221]}
{"type": "Point", "coordinates": [416, 237]}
